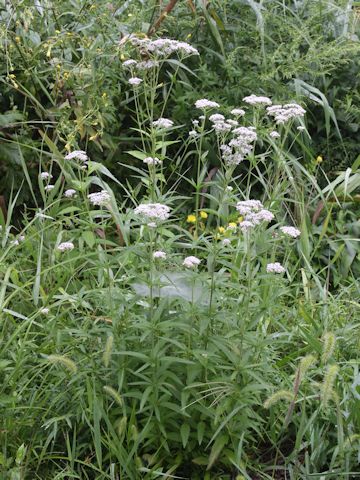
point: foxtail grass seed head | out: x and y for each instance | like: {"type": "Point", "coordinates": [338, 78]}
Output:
{"type": "Point", "coordinates": [329, 342]}
{"type": "Point", "coordinates": [63, 361]}
{"type": "Point", "coordinates": [108, 350]}
{"type": "Point", "coordinates": [78, 155]}
{"type": "Point", "coordinates": [328, 384]}
{"type": "Point", "coordinates": [278, 396]}
{"type": "Point", "coordinates": [114, 394]}
{"type": "Point", "coordinates": [305, 363]}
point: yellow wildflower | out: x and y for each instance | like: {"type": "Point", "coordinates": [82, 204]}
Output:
{"type": "Point", "coordinates": [240, 219]}
{"type": "Point", "coordinates": [191, 219]}
{"type": "Point", "coordinates": [221, 229]}
{"type": "Point", "coordinates": [203, 215]}
{"type": "Point", "coordinates": [232, 225]}
{"type": "Point", "coordinates": [319, 159]}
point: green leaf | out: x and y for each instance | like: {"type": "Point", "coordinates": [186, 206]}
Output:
{"type": "Point", "coordinates": [219, 444]}
{"type": "Point", "coordinates": [184, 433]}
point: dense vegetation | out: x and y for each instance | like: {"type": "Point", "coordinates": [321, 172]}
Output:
{"type": "Point", "coordinates": [179, 235]}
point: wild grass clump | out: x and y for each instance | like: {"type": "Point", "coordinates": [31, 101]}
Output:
{"type": "Point", "coordinates": [147, 333]}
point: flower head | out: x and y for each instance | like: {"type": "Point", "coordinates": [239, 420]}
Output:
{"type": "Point", "coordinates": [153, 211]}
{"type": "Point", "coordinates": [135, 81]}
{"type": "Point", "coordinates": [274, 134]}
{"type": "Point", "coordinates": [203, 103]}
{"type": "Point", "coordinates": [129, 63]}
{"type": "Point", "coordinates": [284, 113]}
{"type": "Point", "coordinates": [257, 100]}
{"type": "Point", "coordinates": [45, 176]}
{"type": "Point", "coordinates": [70, 193]}
{"type": "Point", "coordinates": [159, 255]}
{"type": "Point", "coordinates": [99, 198]}
{"type": "Point", "coordinates": [216, 117]}
{"type": "Point", "coordinates": [162, 123]}
{"type": "Point", "coordinates": [291, 231]}
{"type": "Point", "coordinates": [191, 262]}
{"type": "Point", "coordinates": [191, 219]}
{"type": "Point", "coordinates": [78, 155]}
{"type": "Point", "coordinates": [152, 161]}
{"type": "Point", "coordinates": [47, 188]}
{"type": "Point", "coordinates": [239, 112]}
{"type": "Point", "coordinates": [44, 310]}
{"type": "Point", "coordinates": [203, 215]}
{"type": "Point", "coordinates": [275, 268]}
{"type": "Point", "coordinates": [65, 246]}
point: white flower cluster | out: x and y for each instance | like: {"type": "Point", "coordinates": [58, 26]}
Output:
{"type": "Point", "coordinates": [162, 123]}
{"type": "Point", "coordinates": [275, 268]}
{"type": "Point", "coordinates": [191, 262]}
{"type": "Point", "coordinates": [147, 65]}
{"type": "Point", "coordinates": [219, 123]}
{"type": "Point", "coordinates": [135, 81]}
{"type": "Point", "coordinates": [257, 100]}
{"type": "Point", "coordinates": [159, 255]}
{"type": "Point", "coordinates": [153, 211]}
{"type": "Point", "coordinates": [129, 63]}
{"type": "Point", "coordinates": [152, 161]}
{"type": "Point", "coordinates": [48, 188]}
{"type": "Point", "coordinates": [78, 155]}
{"type": "Point", "coordinates": [65, 246]}
{"type": "Point", "coordinates": [254, 213]}
{"type": "Point", "coordinates": [291, 231]}
{"type": "Point", "coordinates": [241, 145]}
{"type": "Point", "coordinates": [284, 113]}
{"type": "Point", "coordinates": [45, 176]}
{"type": "Point", "coordinates": [99, 198]}
{"type": "Point", "coordinates": [274, 134]}
{"type": "Point", "coordinates": [239, 112]}
{"type": "Point", "coordinates": [164, 47]}
{"type": "Point", "coordinates": [69, 193]}
{"type": "Point", "coordinates": [203, 103]}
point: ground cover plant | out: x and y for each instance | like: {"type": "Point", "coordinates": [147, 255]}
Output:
{"type": "Point", "coordinates": [196, 316]}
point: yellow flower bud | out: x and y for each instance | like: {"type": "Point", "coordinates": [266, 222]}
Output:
{"type": "Point", "coordinates": [319, 159]}
{"type": "Point", "coordinates": [221, 229]}
{"type": "Point", "coordinates": [203, 215]}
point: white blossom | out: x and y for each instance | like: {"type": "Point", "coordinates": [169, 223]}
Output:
{"type": "Point", "coordinates": [248, 206]}
{"type": "Point", "coordinates": [129, 63]}
{"type": "Point", "coordinates": [284, 113]}
{"type": "Point", "coordinates": [291, 231]}
{"type": "Point", "coordinates": [216, 117]}
{"type": "Point", "coordinates": [99, 198]}
{"type": "Point", "coordinates": [78, 154]}
{"type": "Point", "coordinates": [246, 225]}
{"type": "Point", "coordinates": [48, 188]}
{"type": "Point", "coordinates": [45, 176]}
{"type": "Point", "coordinates": [164, 47]}
{"type": "Point", "coordinates": [152, 161]}
{"type": "Point", "coordinates": [274, 134]}
{"type": "Point", "coordinates": [147, 65]}
{"type": "Point", "coordinates": [257, 100]}
{"type": "Point", "coordinates": [162, 123]}
{"type": "Point", "coordinates": [135, 81]}
{"type": "Point", "coordinates": [191, 262]}
{"type": "Point", "coordinates": [44, 310]}
{"type": "Point", "coordinates": [275, 268]}
{"type": "Point", "coordinates": [203, 103]}
{"type": "Point", "coordinates": [65, 246]}
{"type": "Point", "coordinates": [159, 255]}
{"type": "Point", "coordinates": [226, 242]}
{"type": "Point", "coordinates": [239, 112]}
{"type": "Point", "coordinates": [153, 211]}
{"type": "Point", "coordinates": [70, 193]}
